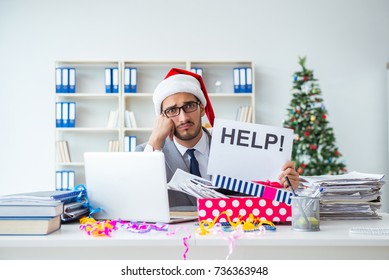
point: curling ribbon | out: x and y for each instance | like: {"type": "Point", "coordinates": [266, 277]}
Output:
{"type": "Point", "coordinates": [238, 229]}
{"type": "Point", "coordinates": [142, 227]}
{"type": "Point", "coordinates": [231, 238]}
{"type": "Point", "coordinates": [97, 228]}
{"type": "Point", "coordinates": [184, 239]}
{"type": "Point", "coordinates": [104, 228]}
{"type": "Point", "coordinates": [83, 197]}
{"type": "Point", "coordinates": [250, 224]}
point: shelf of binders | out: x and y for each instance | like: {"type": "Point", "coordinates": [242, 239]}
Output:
{"type": "Point", "coordinates": [88, 129]}
{"type": "Point", "coordinates": [96, 122]}
{"type": "Point", "coordinates": [88, 95]}
{"type": "Point", "coordinates": [229, 93]}
{"type": "Point", "coordinates": [86, 77]}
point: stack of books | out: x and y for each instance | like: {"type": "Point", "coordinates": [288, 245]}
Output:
{"type": "Point", "coordinates": [39, 213]}
{"type": "Point", "coordinates": [351, 196]}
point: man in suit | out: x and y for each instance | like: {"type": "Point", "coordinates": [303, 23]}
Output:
{"type": "Point", "coordinates": [180, 102]}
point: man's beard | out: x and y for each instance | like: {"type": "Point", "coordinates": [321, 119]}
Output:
{"type": "Point", "coordinates": [188, 136]}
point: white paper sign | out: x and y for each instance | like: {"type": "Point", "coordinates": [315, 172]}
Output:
{"type": "Point", "coordinates": [249, 151]}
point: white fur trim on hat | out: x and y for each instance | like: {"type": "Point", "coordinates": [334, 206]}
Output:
{"type": "Point", "coordinates": [175, 84]}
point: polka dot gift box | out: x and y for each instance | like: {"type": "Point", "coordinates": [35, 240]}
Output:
{"type": "Point", "coordinates": [262, 208]}
{"type": "Point", "coordinates": [265, 202]}
{"type": "Point", "coordinates": [260, 189]}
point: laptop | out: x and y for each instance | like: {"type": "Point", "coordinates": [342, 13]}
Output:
{"type": "Point", "coordinates": [130, 186]}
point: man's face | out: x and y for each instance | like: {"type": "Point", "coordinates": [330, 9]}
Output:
{"type": "Point", "coordinates": [187, 125]}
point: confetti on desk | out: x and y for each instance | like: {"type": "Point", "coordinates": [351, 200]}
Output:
{"type": "Point", "coordinates": [142, 227]}
{"type": "Point", "coordinates": [105, 228]}
{"type": "Point", "coordinates": [97, 228]}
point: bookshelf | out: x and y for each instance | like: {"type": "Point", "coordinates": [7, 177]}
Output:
{"type": "Point", "coordinates": [94, 106]}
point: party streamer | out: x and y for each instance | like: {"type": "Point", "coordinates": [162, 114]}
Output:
{"type": "Point", "coordinates": [184, 239]}
{"type": "Point", "coordinates": [97, 228]}
{"type": "Point", "coordinates": [104, 228]}
{"type": "Point", "coordinates": [236, 229]}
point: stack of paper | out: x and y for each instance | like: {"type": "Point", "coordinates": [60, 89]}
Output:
{"type": "Point", "coordinates": [353, 196]}
{"type": "Point", "coordinates": [68, 205]}
{"type": "Point", "coordinates": [75, 210]}
{"type": "Point", "coordinates": [193, 185]}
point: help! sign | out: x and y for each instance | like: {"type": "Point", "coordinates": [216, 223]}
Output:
{"type": "Point", "coordinates": [249, 151]}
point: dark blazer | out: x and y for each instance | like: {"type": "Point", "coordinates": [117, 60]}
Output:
{"type": "Point", "coordinates": [174, 160]}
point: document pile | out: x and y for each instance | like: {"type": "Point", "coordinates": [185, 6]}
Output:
{"type": "Point", "coordinates": [351, 196]}
{"type": "Point", "coordinates": [75, 210]}
{"type": "Point", "coordinates": [193, 185]}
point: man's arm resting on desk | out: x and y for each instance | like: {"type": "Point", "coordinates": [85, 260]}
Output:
{"type": "Point", "coordinates": [146, 148]}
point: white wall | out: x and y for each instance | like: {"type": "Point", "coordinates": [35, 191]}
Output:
{"type": "Point", "coordinates": [346, 43]}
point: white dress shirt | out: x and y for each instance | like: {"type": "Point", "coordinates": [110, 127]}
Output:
{"type": "Point", "coordinates": [201, 154]}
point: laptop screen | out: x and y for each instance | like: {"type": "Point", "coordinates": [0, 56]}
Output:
{"type": "Point", "coordinates": [127, 185]}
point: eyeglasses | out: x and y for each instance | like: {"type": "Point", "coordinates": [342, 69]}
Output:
{"type": "Point", "coordinates": [187, 108]}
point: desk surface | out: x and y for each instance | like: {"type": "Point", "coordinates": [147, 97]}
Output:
{"type": "Point", "coordinates": [333, 241]}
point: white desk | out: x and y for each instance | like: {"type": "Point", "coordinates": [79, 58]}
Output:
{"type": "Point", "coordinates": [333, 241]}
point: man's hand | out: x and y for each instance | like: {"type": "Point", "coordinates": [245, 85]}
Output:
{"type": "Point", "coordinates": [163, 127]}
{"type": "Point", "coordinates": [288, 169]}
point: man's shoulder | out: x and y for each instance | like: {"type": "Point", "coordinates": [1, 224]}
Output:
{"type": "Point", "coordinates": [208, 132]}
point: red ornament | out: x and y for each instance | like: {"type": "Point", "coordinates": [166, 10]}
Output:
{"type": "Point", "coordinates": [300, 170]}
{"type": "Point", "coordinates": [337, 153]}
{"type": "Point", "coordinates": [305, 78]}
{"type": "Point", "coordinates": [306, 133]}
{"type": "Point", "coordinates": [324, 116]}
{"type": "Point", "coordinates": [303, 165]}
{"type": "Point", "coordinates": [313, 147]}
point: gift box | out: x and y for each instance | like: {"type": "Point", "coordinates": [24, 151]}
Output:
{"type": "Point", "coordinates": [265, 202]}
{"type": "Point", "coordinates": [264, 189]}
{"type": "Point", "coordinates": [240, 208]}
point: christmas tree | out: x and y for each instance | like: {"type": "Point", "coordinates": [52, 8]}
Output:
{"type": "Point", "coordinates": [314, 150]}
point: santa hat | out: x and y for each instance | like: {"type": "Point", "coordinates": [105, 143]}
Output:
{"type": "Point", "coordinates": [179, 80]}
